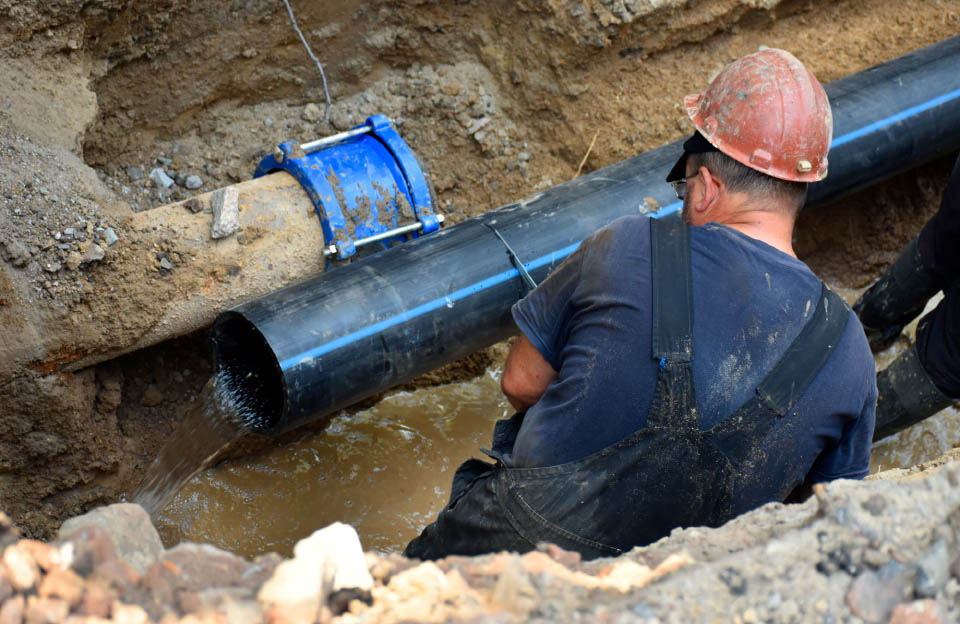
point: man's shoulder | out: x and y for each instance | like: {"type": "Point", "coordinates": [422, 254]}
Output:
{"type": "Point", "coordinates": [631, 231]}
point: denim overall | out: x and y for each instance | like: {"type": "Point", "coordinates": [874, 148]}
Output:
{"type": "Point", "coordinates": [668, 474]}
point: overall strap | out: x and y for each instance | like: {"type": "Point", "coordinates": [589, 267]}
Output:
{"type": "Point", "coordinates": [738, 434]}
{"type": "Point", "coordinates": [674, 402]}
{"type": "Point", "coordinates": [672, 290]}
{"type": "Point", "coordinates": [807, 354]}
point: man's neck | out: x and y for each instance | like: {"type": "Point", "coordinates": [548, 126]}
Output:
{"type": "Point", "coordinates": [774, 228]}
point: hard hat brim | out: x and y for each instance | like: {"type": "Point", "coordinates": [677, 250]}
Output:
{"type": "Point", "coordinates": [696, 144]}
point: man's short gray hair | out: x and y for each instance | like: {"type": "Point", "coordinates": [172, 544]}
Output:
{"type": "Point", "coordinates": [742, 179]}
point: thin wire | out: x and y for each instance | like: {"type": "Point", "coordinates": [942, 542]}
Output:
{"type": "Point", "coordinates": [323, 76]}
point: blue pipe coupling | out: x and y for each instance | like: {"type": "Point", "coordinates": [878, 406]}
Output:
{"type": "Point", "coordinates": [365, 184]}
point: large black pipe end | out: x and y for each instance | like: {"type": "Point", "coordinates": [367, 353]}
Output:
{"type": "Point", "coordinates": [250, 372]}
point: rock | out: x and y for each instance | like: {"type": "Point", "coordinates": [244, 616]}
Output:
{"type": "Point", "coordinates": [918, 612]}
{"type": "Point", "coordinates": [128, 614]}
{"type": "Point", "coordinates": [338, 547]}
{"type": "Point", "coordinates": [873, 595]}
{"type": "Point", "coordinates": [12, 610]}
{"type": "Point", "coordinates": [513, 591]}
{"type": "Point", "coordinates": [73, 260]}
{"type": "Point", "coordinates": [311, 112]}
{"type": "Point", "coordinates": [201, 566]}
{"type": "Point", "coordinates": [136, 540]}
{"type": "Point", "coordinates": [226, 212]}
{"type": "Point", "coordinates": [875, 504]}
{"type": "Point", "coordinates": [194, 205]}
{"type": "Point", "coordinates": [933, 571]}
{"type": "Point", "coordinates": [294, 592]}
{"type": "Point", "coordinates": [91, 546]}
{"type": "Point", "coordinates": [152, 395]}
{"type": "Point", "coordinates": [165, 263]}
{"type": "Point", "coordinates": [62, 584]}
{"type": "Point", "coordinates": [166, 162]}
{"type": "Point", "coordinates": [134, 173]}
{"type": "Point", "coordinates": [477, 125]}
{"type": "Point", "coordinates": [180, 179]}
{"type": "Point", "coordinates": [6, 589]}
{"type": "Point", "coordinates": [47, 557]}
{"type": "Point", "coordinates": [15, 252]}
{"type": "Point", "coordinates": [110, 237]}
{"type": "Point", "coordinates": [568, 558]}
{"type": "Point", "coordinates": [162, 580]}
{"type": "Point", "coordinates": [45, 610]}
{"type": "Point", "coordinates": [734, 580]}
{"type": "Point", "coordinates": [22, 569]}
{"type": "Point", "coordinates": [97, 600]}
{"type": "Point", "coordinates": [160, 178]}
{"type": "Point", "coordinates": [93, 253]}
{"type": "Point", "coordinates": [119, 577]}
{"type": "Point", "coordinates": [193, 182]}
{"type": "Point", "coordinates": [524, 156]}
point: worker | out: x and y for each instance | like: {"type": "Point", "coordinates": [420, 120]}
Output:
{"type": "Point", "coordinates": [674, 373]}
{"type": "Point", "coordinates": [925, 377]}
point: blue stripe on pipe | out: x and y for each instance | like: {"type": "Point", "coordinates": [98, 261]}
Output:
{"type": "Point", "coordinates": [429, 306]}
{"type": "Point", "coordinates": [566, 251]}
{"type": "Point", "coordinates": [892, 119]}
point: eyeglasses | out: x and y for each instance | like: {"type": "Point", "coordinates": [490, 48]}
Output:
{"type": "Point", "coordinates": [680, 186]}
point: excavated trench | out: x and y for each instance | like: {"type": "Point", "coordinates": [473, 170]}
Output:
{"type": "Point", "coordinates": [497, 100]}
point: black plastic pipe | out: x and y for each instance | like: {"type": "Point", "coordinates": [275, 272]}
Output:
{"type": "Point", "coordinates": [310, 349]}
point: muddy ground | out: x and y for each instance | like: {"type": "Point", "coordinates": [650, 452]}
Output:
{"type": "Point", "coordinates": [497, 99]}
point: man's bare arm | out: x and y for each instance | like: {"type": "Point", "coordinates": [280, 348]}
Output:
{"type": "Point", "coordinates": [526, 375]}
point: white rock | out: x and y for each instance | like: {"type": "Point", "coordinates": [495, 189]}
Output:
{"type": "Point", "coordinates": [226, 212]}
{"type": "Point", "coordinates": [338, 546]}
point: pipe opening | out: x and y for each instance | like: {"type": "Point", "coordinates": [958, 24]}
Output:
{"type": "Point", "coordinates": [246, 365]}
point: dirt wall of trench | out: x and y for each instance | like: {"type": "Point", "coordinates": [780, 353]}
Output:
{"type": "Point", "coordinates": [497, 99]}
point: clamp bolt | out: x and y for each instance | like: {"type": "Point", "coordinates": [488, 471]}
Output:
{"type": "Point", "coordinates": [804, 166]}
{"type": "Point", "coordinates": [278, 154]}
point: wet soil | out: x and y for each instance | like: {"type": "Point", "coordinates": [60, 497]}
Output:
{"type": "Point", "coordinates": [496, 99]}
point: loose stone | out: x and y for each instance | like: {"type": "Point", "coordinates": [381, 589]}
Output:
{"type": "Point", "coordinates": [110, 236]}
{"type": "Point", "coordinates": [918, 612]}
{"type": "Point", "coordinates": [932, 571]}
{"type": "Point", "coordinates": [193, 182]}
{"type": "Point", "coordinates": [226, 212]}
{"type": "Point", "coordinates": [873, 595]}
{"type": "Point", "coordinates": [73, 260]}
{"type": "Point", "coordinates": [93, 253]}
{"type": "Point", "coordinates": [160, 178]}
{"type": "Point", "coordinates": [311, 112]}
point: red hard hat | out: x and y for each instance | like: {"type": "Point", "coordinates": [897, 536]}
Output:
{"type": "Point", "coordinates": [768, 112]}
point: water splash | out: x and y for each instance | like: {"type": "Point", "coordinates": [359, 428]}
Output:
{"type": "Point", "coordinates": [220, 415]}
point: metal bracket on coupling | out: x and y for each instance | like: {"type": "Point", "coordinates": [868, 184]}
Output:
{"type": "Point", "coordinates": [365, 184]}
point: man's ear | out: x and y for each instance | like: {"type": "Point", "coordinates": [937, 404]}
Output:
{"type": "Point", "coordinates": [711, 191]}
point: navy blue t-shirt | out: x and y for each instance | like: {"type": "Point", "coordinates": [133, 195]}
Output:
{"type": "Point", "coordinates": [591, 320]}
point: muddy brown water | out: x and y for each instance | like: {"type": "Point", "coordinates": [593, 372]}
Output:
{"type": "Point", "coordinates": [387, 470]}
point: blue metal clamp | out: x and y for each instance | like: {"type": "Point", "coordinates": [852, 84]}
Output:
{"type": "Point", "coordinates": [365, 184]}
